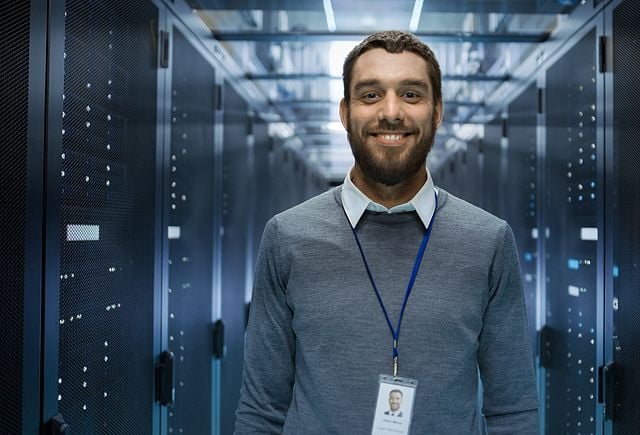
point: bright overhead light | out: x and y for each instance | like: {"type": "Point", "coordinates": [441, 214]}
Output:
{"type": "Point", "coordinates": [335, 126]}
{"type": "Point", "coordinates": [328, 12]}
{"type": "Point", "coordinates": [415, 16]}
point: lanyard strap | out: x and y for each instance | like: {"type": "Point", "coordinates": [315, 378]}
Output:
{"type": "Point", "coordinates": [395, 333]}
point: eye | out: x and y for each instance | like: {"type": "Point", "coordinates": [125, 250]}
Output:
{"type": "Point", "coordinates": [370, 96]}
{"type": "Point", "coordinates": [410, 95]}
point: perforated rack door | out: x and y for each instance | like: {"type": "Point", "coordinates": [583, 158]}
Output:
{"type": "Point", "coordinates": [263, 194]}
{"type": "Point", "coordinates": [15, 186]}
{"type": "Point", "coordinates": [520, 192]}
{"type": "Point", "coordinates": [191, 237]}
{"type": "Point", "coordinates": [236, 222]}
{"type": "Point", "coordinates": [626, 212]}
{"type": "Point", "coordinates": [571, 216]}
{"type": "Point", "coordinates": [107, 217]}
{"type": "Point", "coordinates": [492, 189]}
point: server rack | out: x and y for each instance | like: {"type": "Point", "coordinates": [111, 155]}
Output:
{"type": "Point", "coordinates": [190, 203]}
{"type": "Point", "coordinates": [236, 224]}
{"type": "Point", "coordinates": [572, 201]}
{"type": "Point", "coordinates": [101, 239]}
{"type": "Point", "coordinates": [262, 150]}
{"type": "Point", "coordinates": [22, 92]}
{"type": "Point", "coordinates": [471, 158]}
{"type": "Point", "coordinates": [492, 186]}
{"type": "Point", "coordinates": [520, 206]}
{"type": "Point", "coordinates": [621, 386]}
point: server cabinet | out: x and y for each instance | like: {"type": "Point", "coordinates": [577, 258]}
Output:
{"type": "Point", "coordinates": [282, 170]}
{"type": "Point", "coordinates": [492, 186]}
{"type": "Point", "coordinates": [263, 194]}
{"type": "Point", "coordinates": [520, 206]}
{"type": "Point", "coordinates": [190, 207]}
{"type": "Point", "coordinates": [236, 223]}
{"type": "Point", "coordinates": [101, 216]}
{"type": "Point", "coordinates": [470, 159]}
{"type": "Point", "coordinates": [22, 92]}
{"type": "Point", "coordinates": [571, 202]}
{"type": "Point", "coordinates": [622, 391]}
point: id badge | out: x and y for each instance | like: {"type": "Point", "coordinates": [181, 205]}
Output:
{"type": "Point", "coordinates": [394, 406]}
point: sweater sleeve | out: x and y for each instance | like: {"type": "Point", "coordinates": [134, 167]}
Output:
{"type": "Point", "coordinates": [510, 401]}
{"type": "Point", "coordinates": [268, 374]}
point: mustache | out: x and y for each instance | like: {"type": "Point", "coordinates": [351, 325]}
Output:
{"type": "Point", "coordinates": [387, 127]}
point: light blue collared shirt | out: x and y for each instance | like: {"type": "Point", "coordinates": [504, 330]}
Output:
{"type": "Point", "coordinates": [355, 202]}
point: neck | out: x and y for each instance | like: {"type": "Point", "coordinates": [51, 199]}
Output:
{"type": "Point", "coordinates": [389, 196]}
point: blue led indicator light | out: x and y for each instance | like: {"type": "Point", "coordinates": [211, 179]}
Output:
{"type": "Point", "coordinates": [616, 271]}
{"type": "Point", "coordinates": [573, 264]}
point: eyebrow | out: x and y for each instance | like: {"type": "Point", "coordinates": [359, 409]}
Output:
{"type": "Point", "coordinates": [374, 82]}
{"type": "Point", "coordinates": [420, 83]}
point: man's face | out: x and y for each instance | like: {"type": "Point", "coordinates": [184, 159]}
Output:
{"type": "Point", "coordinates": [391, 118]}
{"type": "Point", "coordinates": [395, 400]}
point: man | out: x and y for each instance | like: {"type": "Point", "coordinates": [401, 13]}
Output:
{"type": "Point", "coordinates": [395, 401]}
{"type": "Point", "coordinates": [331, 315]}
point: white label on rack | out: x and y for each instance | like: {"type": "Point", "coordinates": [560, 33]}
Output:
{"type": "Point", "coordinates": [83, 233]}
{"type": "Point", "coordinates": [574, 291]}
{"type": "Point", "coordinates": [589, 233]}
{"type": "Point", "coordinates": [173, 232]}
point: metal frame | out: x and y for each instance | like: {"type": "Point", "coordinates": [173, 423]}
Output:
{"type": "Point", "coordinates": [51, 284]}
{"type": "Point", "coordinates": [431, 37]}
{"type": "Point", "coordinates": [609, 170]}
{"type": "Point", "coordinates": [163, 135]}
{"type": "Point", "coordinates": [33, 255]}
{"type": "Point", "coordinates": [541, 270]}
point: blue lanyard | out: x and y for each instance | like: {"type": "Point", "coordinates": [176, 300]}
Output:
{"type": "Point", "coordinates": [395, 333]}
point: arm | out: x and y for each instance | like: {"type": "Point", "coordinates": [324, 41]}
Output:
{"type": "Point", "coordinates": [510, 402]}
{"type": "Point", "coordinates": [267, 380]}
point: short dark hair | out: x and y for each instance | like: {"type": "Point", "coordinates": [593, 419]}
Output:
{"type": "Point", "coordinates": [395, 391]}
{"type": "Point", "coordinates": [395, 42]}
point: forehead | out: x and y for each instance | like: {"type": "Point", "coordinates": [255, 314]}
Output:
{"type": "Point", "coordinates": [379, 65]}
{"type": "Point", "coordinates": [395, 393]}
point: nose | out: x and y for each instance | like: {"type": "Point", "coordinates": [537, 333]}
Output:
{"type": "Point", "coordinates": [391, 109]}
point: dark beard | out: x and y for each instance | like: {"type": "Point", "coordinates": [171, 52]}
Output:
{"type": "Point", "coordinates": [392, 170]}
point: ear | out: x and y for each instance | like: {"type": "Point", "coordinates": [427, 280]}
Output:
{"type": "Point", "coordinates": [439, 113]}
{"type": "Point", "coordinates": [344, 113]}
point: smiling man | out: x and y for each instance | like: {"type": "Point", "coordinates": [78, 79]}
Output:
{"type": "Point", "coordinates": [395, 401]}
{"type": "Point", "coordinates": [387, 279]}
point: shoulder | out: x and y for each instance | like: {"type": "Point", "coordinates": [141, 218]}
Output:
{"type": "Point", "coordinates": [464, 217]}
{"type": "Point", "coordinates": [466, 228]}
{"type": "Point", "coordinates": [315, 214]}
{"type": "Point", "coordinates": [323, 202]}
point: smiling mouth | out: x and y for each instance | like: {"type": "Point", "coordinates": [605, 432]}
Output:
{"type": "Point", "coordinates": [391, 138]}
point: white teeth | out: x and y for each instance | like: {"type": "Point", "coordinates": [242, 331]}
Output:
{"type": "Point", "coordinates": [391, 136]}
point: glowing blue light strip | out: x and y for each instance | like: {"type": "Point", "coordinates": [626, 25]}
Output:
{"type": "Point", "coordinates": [328, 12]}
{"type": "Point", "coordinates": [415, 16]}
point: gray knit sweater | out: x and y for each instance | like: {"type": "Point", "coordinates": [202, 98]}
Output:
{"type": "Point", "coordinates": [317, 338]}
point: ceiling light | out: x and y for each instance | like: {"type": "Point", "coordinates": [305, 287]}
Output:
{"type": "Point", "coordinates": [328, 12]}
{"type": "Point", "coordinates": [415, 16]}
{"type": "Point", "coordinates": [335, 126]}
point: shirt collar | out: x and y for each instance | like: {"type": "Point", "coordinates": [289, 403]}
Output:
{"type": "Point", "coordinates": [355, 202]}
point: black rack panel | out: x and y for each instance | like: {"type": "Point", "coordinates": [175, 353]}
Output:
{"type": "Point", "coordinates": [263, 198]}
{"type": "Point", "coordinates": [107, 217]}
{"type": "Point", "coordinates": [626, 215]}
{"type": "Point", "coordinates": [14, 93]}
{"type": "Point", "coordinates": [492, 188]}
{"type": "Point", "coordinates": [520, 192]}
{"type": "Point", "coordinates": [190, 202]}
{"type": "Point", "coordinates": [571, 218]}
{"type": "Point", "coordinates": [236, 206]}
